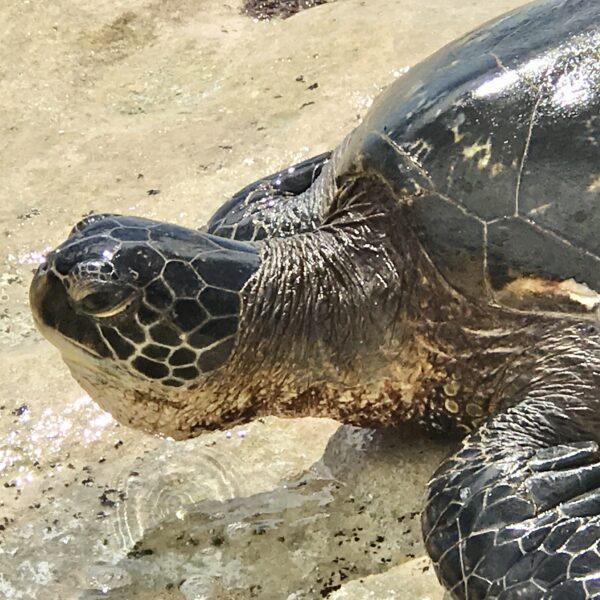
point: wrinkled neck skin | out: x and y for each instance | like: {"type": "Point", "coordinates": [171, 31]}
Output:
{"type": "Point", "coordinates": [352, 321]}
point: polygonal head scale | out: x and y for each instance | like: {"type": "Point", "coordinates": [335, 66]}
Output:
{"type": "Point", "coordinates": [161, 301]}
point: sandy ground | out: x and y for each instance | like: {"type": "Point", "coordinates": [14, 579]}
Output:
{"type": "Point", "coordinates": [165, 108]}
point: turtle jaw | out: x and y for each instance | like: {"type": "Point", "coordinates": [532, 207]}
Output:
{"type": "Point", "coordinates": [132, 400]}
{"type": "Point", "coordinates": [145, 405]}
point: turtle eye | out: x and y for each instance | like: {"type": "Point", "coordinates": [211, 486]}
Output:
{"type": "Point", "coordinates": [100, 298]}
{"type": "Point", "coordinates": [96, 302]}
{"type": "Point", "coordinates": [107, 301]}
{"type": "Point", "coordinates": [94, 288]}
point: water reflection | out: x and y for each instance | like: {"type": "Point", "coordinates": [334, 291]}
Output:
{"type": "Point", "coordinates": [179, 476]}
{"type": "Point", "coordinates": [210, 535]}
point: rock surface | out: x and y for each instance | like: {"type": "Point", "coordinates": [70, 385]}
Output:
{"type": "Point", "coordinates": [164, 108]}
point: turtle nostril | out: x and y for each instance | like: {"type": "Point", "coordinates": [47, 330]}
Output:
{"type": "Point", "coordinates": [45, 266]}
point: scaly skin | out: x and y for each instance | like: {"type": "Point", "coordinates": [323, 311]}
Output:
{"type": "Point", "coordinates": [515, 512]}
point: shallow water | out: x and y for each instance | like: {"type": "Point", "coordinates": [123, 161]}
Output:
{"type": "Point", "coordinates": [102, 102]}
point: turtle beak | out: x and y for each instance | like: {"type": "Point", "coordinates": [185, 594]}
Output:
{"type": "Point", "coordinates": [39, 291]}
{"type": "Point", "coordinates": [56, 318]}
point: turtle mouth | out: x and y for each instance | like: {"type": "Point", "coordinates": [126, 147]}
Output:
{"type": "Point", "coordinates": [71, 350]}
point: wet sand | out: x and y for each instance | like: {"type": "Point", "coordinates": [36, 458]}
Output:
{"type": "Point", "coordinates": [165, 108]}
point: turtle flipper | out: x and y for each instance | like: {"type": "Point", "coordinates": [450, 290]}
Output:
{"type": "Point", "coordinates": [516, 522]}
{"type": "Point", "coordinates": [276, 203]}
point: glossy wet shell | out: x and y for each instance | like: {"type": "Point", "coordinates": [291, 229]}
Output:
{"type": "Point", "coordinates": [492, 144]}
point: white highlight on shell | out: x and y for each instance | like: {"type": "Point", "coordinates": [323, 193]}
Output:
{"type": "Point", "coordinates": [497, 84]}
{"type": "Point", "coordinates": [505, 80]}
{"type": "Point", "coordinates": [572, 88]}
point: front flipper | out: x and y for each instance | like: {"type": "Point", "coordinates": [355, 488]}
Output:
{"type": "Point", "coordinates": [512, 515]}
{"type": "Point", "coordinates": [277, 204]}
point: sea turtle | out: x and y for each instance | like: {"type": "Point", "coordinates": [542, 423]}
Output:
{"type": "Point", "coordinates": [441, 266]}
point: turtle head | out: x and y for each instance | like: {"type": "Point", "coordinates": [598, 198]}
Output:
{"type": "Point", "coordinates": [142, 311]}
